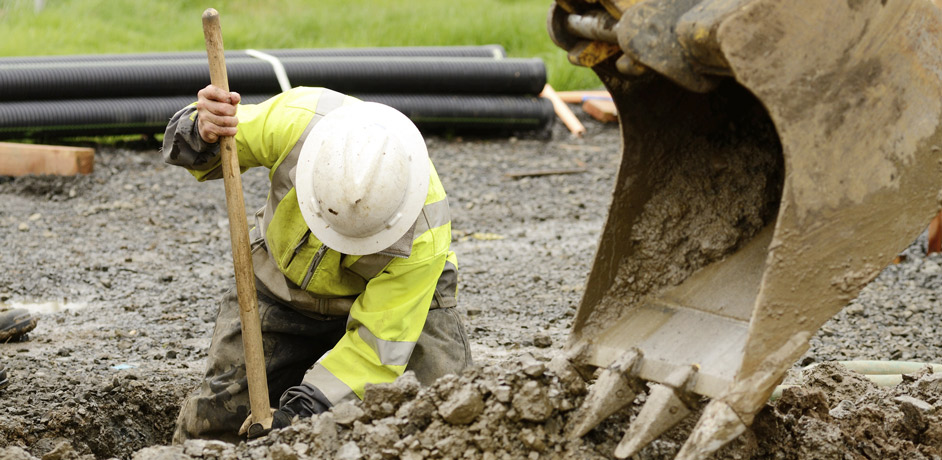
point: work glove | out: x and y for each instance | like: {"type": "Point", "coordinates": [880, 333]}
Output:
{"type": "Point", "coordinates": [253, 430]}
{"type": "Point", "coordinates": [304, 400]}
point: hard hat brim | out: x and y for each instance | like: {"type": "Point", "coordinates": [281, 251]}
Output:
{"type": "Point", "coordinates": [416, 191]}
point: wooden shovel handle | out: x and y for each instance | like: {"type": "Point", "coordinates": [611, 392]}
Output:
{"type": "Point", "coordinates": [239, 234]}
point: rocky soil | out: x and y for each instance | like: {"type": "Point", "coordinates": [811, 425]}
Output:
{"type": "Point", "coordinates": [125, 267]}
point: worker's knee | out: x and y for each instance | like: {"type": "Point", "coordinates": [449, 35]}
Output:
{"type": "Point", "coordinates": [217, 416]}
{"type": "Point", "coordinates": [442, 348]}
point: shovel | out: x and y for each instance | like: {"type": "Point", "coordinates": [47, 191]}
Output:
{"type": "Point", "coordinates": [260, 418]}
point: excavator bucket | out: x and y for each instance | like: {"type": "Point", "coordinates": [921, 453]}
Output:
{"type": "Point", "coordinates": [777, 155]}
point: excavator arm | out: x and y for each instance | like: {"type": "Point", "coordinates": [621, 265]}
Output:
{"type": "Point", "coordinates": [776, 157]}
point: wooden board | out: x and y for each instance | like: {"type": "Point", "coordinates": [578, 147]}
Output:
{"type": "Point", "coordinates": [23, 159]}
{"type": "Point", "coordinates": [578, 97]}
{"type": "Point", "coordinates": [563, 111]}
{"type": "Point", "coordinates": [601, 109]}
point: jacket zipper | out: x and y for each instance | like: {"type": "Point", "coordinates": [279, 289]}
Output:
{"type": "Point", "coordinates": [314, 262]}
{"type": "Point", "coordinates": [297, 248]}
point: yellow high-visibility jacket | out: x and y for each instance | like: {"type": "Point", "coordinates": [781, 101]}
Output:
{"type": "Point", "coordinates": [386, 296]}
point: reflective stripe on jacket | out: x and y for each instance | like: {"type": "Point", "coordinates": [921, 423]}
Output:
{"type": "Point", "coordinates": [385, 296]}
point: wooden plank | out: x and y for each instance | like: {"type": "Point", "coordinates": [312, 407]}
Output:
{"type": "Point", "coordinates": [23, 159]}
{"type": "Point", "coordinates": [578, 97]}
{"type": "Point", "coordinates": [601, 109]}
{"type": "Point", "coordinates": [563, 111]}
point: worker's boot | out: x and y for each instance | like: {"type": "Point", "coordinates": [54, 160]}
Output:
{"type": "Point", "coordinates": [15, 323]}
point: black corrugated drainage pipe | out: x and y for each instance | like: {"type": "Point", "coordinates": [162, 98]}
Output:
{"type": "Point", "coordinates": [387, 75]}
{"type": "Point", "coordinates": [480, 114]}
{"type": "Point", "coordinates": [484, 51]}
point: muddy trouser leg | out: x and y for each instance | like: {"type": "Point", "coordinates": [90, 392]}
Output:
{"type": "Point", "coordinates": [292, 343]}
{"type": "Point", "coordinates": [442, 348]}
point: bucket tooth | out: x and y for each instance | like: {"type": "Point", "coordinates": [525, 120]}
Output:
{"type": "Point", "coordinates": [728, 416]}
{"type": "Point", "coordinates": [615, 388]}
{"type": "Point", "coordinates": [718, 425]}
{"type": "Point", "coordinates": [667, 405]}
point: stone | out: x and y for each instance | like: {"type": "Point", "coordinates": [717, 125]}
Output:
{"type": "Point", "coordinates": [148, 453]}
{"type": "Point", "coordinates": [409, 384]}
{"type": "Point", "coordinates": [381, 434]}
{"type": "Point", "coordinates": [502, 393]}
{"type": "Point", "coordinates": [419, 412]}
{"type": "Point", "coordinates": [569, 377]}
{"type": "Point", "coordinates": [843, 409]}
{"type": "Point", "coordinates": [202, 447]}
{"type": "Point", "coordinates": [282, 451]}
{"type": "Point", "coordinates": [349, 451]}
{"type": "Point", "coordinates": [915, 413]}
{"type": "Point", "coordinates": [382, 399]}
{"type": "Point", "coordinates": [62, 451]}
{"type": "Point", "coordinates": [532, 403]}
{"type": "Point", "coordinates": [542, 341]}
{"type": "Point", "coordinates": [531, 366]}
{"type": "Point", "coordinates": [916, 403]}
{"type": "Point", "coordinates": [346, 413]}
{"type": "Point", "coordinates": [462, 407]}
{"type": "Point", "coordinates": [533, 439]}
{"type": "Point", "coordinates": [324, 433]}
{"type": "Point", "coordinates": [931, 267]}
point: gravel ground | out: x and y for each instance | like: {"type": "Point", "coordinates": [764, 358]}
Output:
{"type": "Point", "coordinates": [126, 266]}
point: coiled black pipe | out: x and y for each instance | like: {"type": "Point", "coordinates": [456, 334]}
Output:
{"type": "Point", "coordinates": [484, 51]}
{"type": "Point", "coordinates": [431, 113]}
{"type": "Point", "coordinates": [46, 81]}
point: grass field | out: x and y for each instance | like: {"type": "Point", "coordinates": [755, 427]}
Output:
{"type": "Point", "coordinates": [125, 26]}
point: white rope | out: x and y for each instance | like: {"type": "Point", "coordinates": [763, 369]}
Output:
{"type": "Point", "coordinates": [276, 65]}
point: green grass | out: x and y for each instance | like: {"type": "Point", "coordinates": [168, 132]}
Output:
{"type": "Point", "coordinates": [126, 26]}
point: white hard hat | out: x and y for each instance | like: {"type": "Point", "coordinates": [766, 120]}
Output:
{"type": "Point", "coordinates": [362, 178]}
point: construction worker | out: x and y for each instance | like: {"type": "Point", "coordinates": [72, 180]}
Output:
{"type": "Point", "coordinates": [356, 281]}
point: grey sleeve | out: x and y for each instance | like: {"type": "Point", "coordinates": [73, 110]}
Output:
{"type": "Point", "coordinates": [183, 145]}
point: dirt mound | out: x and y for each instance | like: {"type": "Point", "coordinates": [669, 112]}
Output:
{"type": "Point", "coordinates": [521, 411]}
{"type": "Point", "coordinates": [487, 412]}
{"type": "Point", "coordinates": [839, 414]}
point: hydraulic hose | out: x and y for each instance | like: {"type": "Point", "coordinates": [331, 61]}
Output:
{"type": "Point", "coordinates": [431, 113]}
{"type": "Point", "coordinates": [388, 75]}
{"type": "Point", "coordinates": [485, 51]}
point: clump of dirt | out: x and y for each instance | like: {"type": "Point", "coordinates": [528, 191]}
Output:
{"type": "Point", "coordinates": [838, 414]}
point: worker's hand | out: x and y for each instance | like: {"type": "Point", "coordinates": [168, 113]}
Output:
{"type": "Point", "coordinates": [216, 113]}
{"type": "Point", "coordinates": [304, 400]}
